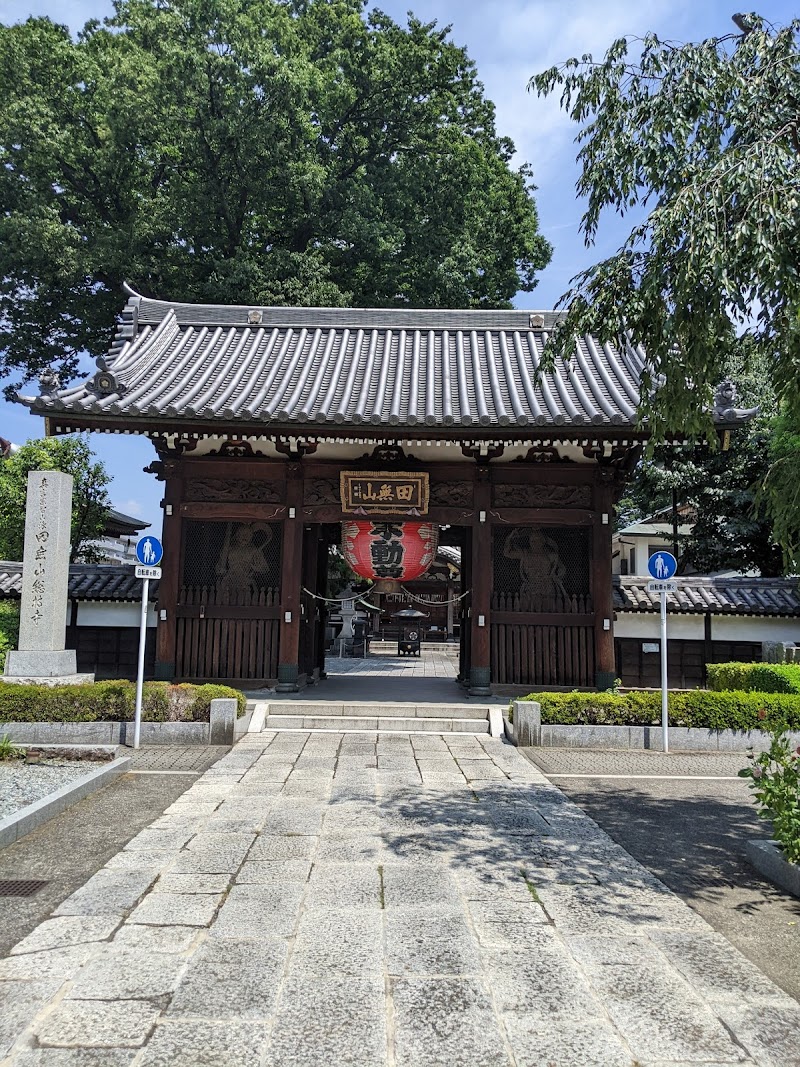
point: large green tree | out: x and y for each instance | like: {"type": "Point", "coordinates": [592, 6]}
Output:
{"type": "Point", "coordinates": [247, 151]}
{"type": "Point", "coordinates": [700, 141]}
{"type": "Point", "coordinates": [90, 500]}
{"type": "Point", "coordinates": [721, 486]}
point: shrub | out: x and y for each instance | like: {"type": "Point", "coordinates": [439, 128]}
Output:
{"type": "Point", "coordinates": [775, 781]}
{"type": "Point", "coordinates": [5, 646]}
{"type": "Point", "coordinates": [9, 628]}
{"type": "Point", "coordinates": [697, 708]}
{"type": "Point", "coordinates": [8, 750]}
{"type": "Point", "coordinates": [754, 677]}
{"type": "Point", "coordinates": [113, 701]}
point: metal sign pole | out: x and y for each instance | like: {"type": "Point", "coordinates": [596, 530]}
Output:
{"type": "Point", "coordinates": [664, 705]}
{"type": "Point", "coordinates": [137, 723]}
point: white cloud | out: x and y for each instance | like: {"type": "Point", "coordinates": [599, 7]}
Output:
{"type": "Point", "coordinates": [130, 507]}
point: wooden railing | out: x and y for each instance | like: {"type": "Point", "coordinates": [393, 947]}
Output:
{"type": "Point", "coordinates": [214, 596]}
{"type": "Point", "coordinates": [542, 605]}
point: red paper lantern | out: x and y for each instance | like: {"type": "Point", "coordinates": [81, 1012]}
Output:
{"type": "Point", "coordinates": [396, 550]}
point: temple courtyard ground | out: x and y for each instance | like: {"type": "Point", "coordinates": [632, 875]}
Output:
{"type": "Point", "coordinates": [328, 898]}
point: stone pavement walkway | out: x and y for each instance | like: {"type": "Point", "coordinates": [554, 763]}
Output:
{"type": "Point", "coordinates": [414, 901]}
{"type": "Point", "coordinates": [430, 664]}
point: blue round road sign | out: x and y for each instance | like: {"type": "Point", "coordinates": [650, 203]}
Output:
{"type": "Point", "coordinates": [149, 551]}
{"type": "Point", "coordinates": [662, 566]}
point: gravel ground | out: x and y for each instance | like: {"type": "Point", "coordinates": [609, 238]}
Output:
{"type": "Point", "coordinates": [22, 784]}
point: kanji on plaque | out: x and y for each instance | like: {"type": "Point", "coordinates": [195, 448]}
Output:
{"type": "Point", "coordinates": [399, 550]}
{"type": "Point", "coordinates": [384, 492]}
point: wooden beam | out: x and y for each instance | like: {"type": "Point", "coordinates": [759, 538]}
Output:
{"type": "Point", "coordinates": [526, 618]}
{"type": "Point", "coordinates": [234, 512]}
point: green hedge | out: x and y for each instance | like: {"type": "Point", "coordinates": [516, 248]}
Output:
{"type": "Point", "coordinates": [754, 677]}
{"type": "Point", "coordinates": [9, 628]}
{"type": "Point", "coordinates": [111, 702]}
{"type": "Point", "coordinates": [697, 708]}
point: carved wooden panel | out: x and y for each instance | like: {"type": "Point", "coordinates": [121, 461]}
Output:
{"type": "Point", "coordinates": [234, 490]}
{"type": "Point", "coordinates": [451, 494]}
{"type": "Point", "coordinates": [321, 491]}
{"type": "Point", "coordinates": [542, 496]}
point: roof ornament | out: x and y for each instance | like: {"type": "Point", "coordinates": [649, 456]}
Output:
{"type": "Point", "coordinates": [254, 317]}
{"type": "Point", "coordinates": [725, 397]}
{"type": "Point", "coordinates": [49, 382]}
{"type": "Point", "coordinates": [536, 321]}
{"type": "Point", "coordinates": [104, 383]}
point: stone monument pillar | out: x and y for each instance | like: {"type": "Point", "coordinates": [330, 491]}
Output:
{"type": "Point", "coordinates": [45, 574]}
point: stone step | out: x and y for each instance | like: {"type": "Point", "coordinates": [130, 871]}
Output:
{"type": "Point", "coordinates": [376, 724]}
{"type": "Point", "coordinates": [371, 710]}
{"type": "Point", "coordinates": [390, 648]}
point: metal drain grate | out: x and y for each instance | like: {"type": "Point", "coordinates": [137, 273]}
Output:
{"type": "Point", "coordinates": [20, 887]}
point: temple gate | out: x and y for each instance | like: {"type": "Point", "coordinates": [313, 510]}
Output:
{"type": "Point", "coordinates": [270, 424]}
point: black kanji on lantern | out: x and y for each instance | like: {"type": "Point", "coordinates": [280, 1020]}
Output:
{"type": "Point", "coordinates": [386, 553]}
{"type": "Point", "coordinates": [389, 531]}
{"type": "Point", "coordinates": [391, 570]}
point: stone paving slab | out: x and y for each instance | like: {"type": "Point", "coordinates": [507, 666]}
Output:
{"type": "Point", "coordinates": [293, 909]}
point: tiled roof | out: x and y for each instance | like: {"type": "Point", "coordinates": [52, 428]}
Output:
{"type": "Point", "coordinates": [87, 581]}
{"type": "Point", "coordinates": [324, 367]}
{"type": "Point", "coordinates": [719, 596]}
{"type": "Point", "coordinates": [450, 553]}
{"type": "Point", "coordinates": [118, 524]}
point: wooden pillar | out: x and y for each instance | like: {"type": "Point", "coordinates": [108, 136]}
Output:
{"type": "Point", "coordinates": [309, 606]}
{"type": "Point", "coordinates": [291, 581]}
{"type": "Point", "coordinates": [169, 585]}
{"type": "Point", "coordinates": [602, 585]}
{"type": "Point", "coordinates": [480, 674]}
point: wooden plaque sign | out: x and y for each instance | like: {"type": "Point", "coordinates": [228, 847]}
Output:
{"type": "Point", "coordinates": [384, 493]}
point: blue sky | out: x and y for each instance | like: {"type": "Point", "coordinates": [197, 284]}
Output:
{"type": "Point", "coordinates": [509, 40]}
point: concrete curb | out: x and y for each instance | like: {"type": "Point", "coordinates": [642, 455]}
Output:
{"type": "Point", "coordinates": [121, 733]}
{"type": "Point", "coordinates": [767, 859]}
{"type": "Point", "coordinates": [528, 730]}
{"type": "Point", "coordinates": [256, 724]}
{"type": "Point", "coordinates": [15, 826]}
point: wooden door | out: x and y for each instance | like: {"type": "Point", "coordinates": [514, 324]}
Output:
{"type": "Point", "coordinates": [229, 602]}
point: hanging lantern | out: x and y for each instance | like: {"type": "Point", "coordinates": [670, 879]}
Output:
{"type": "Point", "coordinates": [401, 551]}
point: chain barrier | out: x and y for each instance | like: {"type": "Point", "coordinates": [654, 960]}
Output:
{"type": "Point", "coordinates": [359, 599]}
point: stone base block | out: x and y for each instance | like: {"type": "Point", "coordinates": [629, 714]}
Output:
{"type": "Point", "coordinates": [480, 682]}
{"type": "Point", "coordinates": [288, 678]}
{"type": "Point", "coordinates": [528, 723]}
{"type": "Point", "coordinates": [29, 664]}
{"type": "Point", "coordinates": [50, 679]}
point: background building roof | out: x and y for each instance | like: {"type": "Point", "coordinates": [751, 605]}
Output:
{"type": "Point", "coordinates": [719, 595]}
{"type": "Point", "coordinates": [87, 581]}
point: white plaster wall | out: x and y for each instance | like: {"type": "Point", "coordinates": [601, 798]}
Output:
{"type": "Point", "coordinates": [723, 627]}
{"type": "Point", "coordinates": [686, 627]}
{"type": "Point", "coordinates": [113, 614]}
{"type": "Point", "coordinates": [730, 628]}
{"type": "Point", "coordinates": [642, 550]}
